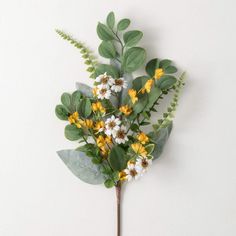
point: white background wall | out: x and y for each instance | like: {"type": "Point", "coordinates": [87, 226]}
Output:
{"type": "Point", "coordinates": [190, 191]}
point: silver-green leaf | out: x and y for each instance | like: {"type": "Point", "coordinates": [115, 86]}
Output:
{"type": "Point", "coordinates": [81, 166]}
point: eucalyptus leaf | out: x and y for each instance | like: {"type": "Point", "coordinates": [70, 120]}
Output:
{"type": "Point", "coordinates": [151, 66]}
{"type": "Point", "coordinates": [123, 24]}
{"type": "Point", "coordinates": [73, 133]}
{"type": "Point", "coordinates": [165, 63]}
{"type": "Point", "coordinates": [117, 158]}
{"type": "Point", "coordinates": [85, 108]}
{"type": "Point", "coordinates": [104, 33]}
{"type": "Point", "coordinates": [75, 99]}
{"type": "Point", "coordinates": [170, 70]}
{"type": "Point", "coordinates": [166, 82]}
{"type": "Point", "coordinates": [66, 100]}
{"type": "Point", "coordinates": [111, 70]}
{"type": "Point", "coordinates": [131, 38]}
{"type": "Point", "coordinates": [133, 59]}
{"type": "Point", "coordinates": [111, 20]}
{"type": "Point", "coordinates": [160, 138]}
{"type": "Point", "coordinates": [61, 112]}
{"type": "Point", "coordinates": [82, 166]}
{"type": "Point", "coordinates": [107, 49]}
{"type": "Point", "coordinates": [84, 89]}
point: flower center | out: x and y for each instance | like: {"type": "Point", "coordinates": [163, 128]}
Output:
{"type": "Point", "coordinates": [119, 82]}
{"type": "Point", "coordinates": [112, 124]}
{"type": "Point", "coordinates": [104, 80]}
{"type": "Point", "coordinates": [103, 91]}
{"type": "Point", "coordinates": [133, 172]}
{"type": "Point", "coordinates": [144, 163]}
{"type": "Point", "coordinates": [121, 134]}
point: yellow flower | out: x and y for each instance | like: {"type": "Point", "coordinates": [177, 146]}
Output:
{"type": "Point", "coordinates": [88, 123]}
{"type": "Point", "coordinates": [139, 149]}
{"type": "Point", "coordinates": [98, 107]}
{"type": "Point", "coordinates": [78, 125]}
{"type": "Point", "coordinates": [126, 110]}
{"type": "Point", "coordinates": [104, 151]}
{"type": "Point", "coordinates": [133, 95]}
{"type": "Point", "coordinates": [148, 85]}
{"type": "Point", "coordinates": [73, 118]}
{"type": "Point", "coordinates": [101, 141]}
{"type": "Point", "coordinates": [108, 139]}
{"type": "Point", "coordinates": [99, 126]}
{"type": "Point", "coordinates": [95, 91]}
{"type": "Point", "coordinates": [142, 138]}
{"type": "Point", "coordinates": [158, 73]}
{"type": "Point", "coordinates": [122, 176]}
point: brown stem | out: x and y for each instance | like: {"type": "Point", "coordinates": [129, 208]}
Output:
{"type": "Point", "coordinates": [118, 198]}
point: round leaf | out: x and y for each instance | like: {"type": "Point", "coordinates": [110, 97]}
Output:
{"type": "Point", "coordinates": [85, 107]}
{"type": "Point", "coordinates": [107, 49]}
{"type": "Point", "coordinates": [104, 33]}
{"type": "Point", "coordinates": [170, 70]}
{"type": "Point", "coordinates": [166, 82]}
{"type": "Point", "coordinates": [131, 38]}
{"type": "Point", "coordinates": [81, 166]}
{"type": "Point", "coordinates": [118, 158]}
{"type": "Point", "coordinates": [61, 112]}
{"type": "Point", "coordinates": [133, 59]}
{"type": "Point", "coordinates": [109, 183]}
{"type": "Point", "coordinates": [152, 66]}
{"type": "Point", "coordinates": [111, 20]}
{"type": "Point", "coordinates": [73, 133]}
{"type": "Point", "coordinates": [111, 70]}
{"type": "Point", "coordinates": [66, 100]}
{"type": "Point", "coordinates": [123, 24]}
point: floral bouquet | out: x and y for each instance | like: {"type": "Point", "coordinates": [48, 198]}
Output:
{"type": "Point", "coordinates": [111, 122]}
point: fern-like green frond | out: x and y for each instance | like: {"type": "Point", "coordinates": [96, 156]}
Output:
{"type": "Point", "coordinates": [85, 52]}
{"type": "Point", "coordinates": [169, 114]}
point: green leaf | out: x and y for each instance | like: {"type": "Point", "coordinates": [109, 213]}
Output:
{"type": "Point", "coordinates": [160, 138]}
{"type": "Point", "coordinates": [111, 20]}
{"type": "Point", "coordinates": [66, 100]}
{"type": "Point", "coordinates": [170, 70]}
{"type": "Point", "coordinates": [81, 166]}
{"type": "Point", "coordinates": [166, 82]}
{"type": "Point", "coordinates": [117, 158]}
{"type": "Point", "coordinates": [107, 49]}
{"type": "Point", "coordinates": [133, 59]}
{"type": "Point", "coordinates": [61, 112]}
{"type": "Point", "coordinates": [123, 24]}
{"type": "Point", "coordinates": [139, 82]}
{"type": "Point", "coordinates": [75, 100]}
{"type": "Point", "coordinates": [131, 38]}
{"type": "Point", "coordinates": [152, 66]}
{"type": "Point", "coordinates": [104, 33]}
{"type": "Point", "coordinates": [73, 133]}
{"type": "Point", "coordinates": [109, 183]}
{"type": "Point", "coordinates": [150, 148]}
{"type": "Point", "coordinates": [85, 107]}
{"type": "Point", "coordinates": [152, 97]}
{"type": "Point", "coordinates": [141, 103]}
{"type": "Point", "coordinates": [134, 127]}
{"type": "Point", "coordinates": [111, 70]}
{"type": "Point", "coordinates": [165, 63]}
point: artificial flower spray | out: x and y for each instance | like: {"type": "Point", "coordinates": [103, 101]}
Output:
{"type": "Point", "coordinates": [107, 122]}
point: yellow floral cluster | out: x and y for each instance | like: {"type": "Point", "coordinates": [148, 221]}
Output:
{"type": "Point", "coordinates": [147, 86]}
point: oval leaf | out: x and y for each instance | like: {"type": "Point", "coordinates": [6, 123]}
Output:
{"type": "Point", "coordinates": [73, 133]}
{"type": "Point", "coordinates": [133, 59]}
{"type": "Point", "coordinates": [123, 24]}
{"type": "Point", "coordinates": [111, 70]}
{"type": "Point", "coordinates": [111, 20]}
{"type": "Point", "coordinates": [66, 100]}
{"type": "Point", "coordinates": [81, 166]}
{"type": "Point", "coordinates": [166, 82]}
{"type": "Point", "coordinates": [117, 158]}
{"type": "Point", "coordinates": [61, 112]}
{"type": "Point", "coordinates": [85, 107]}
{"type": "Point", "coordinates": [170, 70]}
{"type": "Point", "coordinates": [131, 38]}
{"type": "Point", "coordinates": [104, 33]}
{"type": "Point", "coordinates": [107, 49]}
{"type": "Point", "coordinates": [152, 66]}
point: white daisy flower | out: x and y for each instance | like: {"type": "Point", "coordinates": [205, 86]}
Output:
{"type": "Point", "coordinates": [143, 163]}
{"type": "Point", "coordinates": [112, 125]}
{"type": "Point", "coordinates": [105, 79]}
{"type": "Point", "coordinates": [120, 135]}
{"type": "Point", "coordinates": [118, 85]}
{"type": "Point", "coordinates": [103, 93]}
{"type": "Point", "coordinates": [133, 172]}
